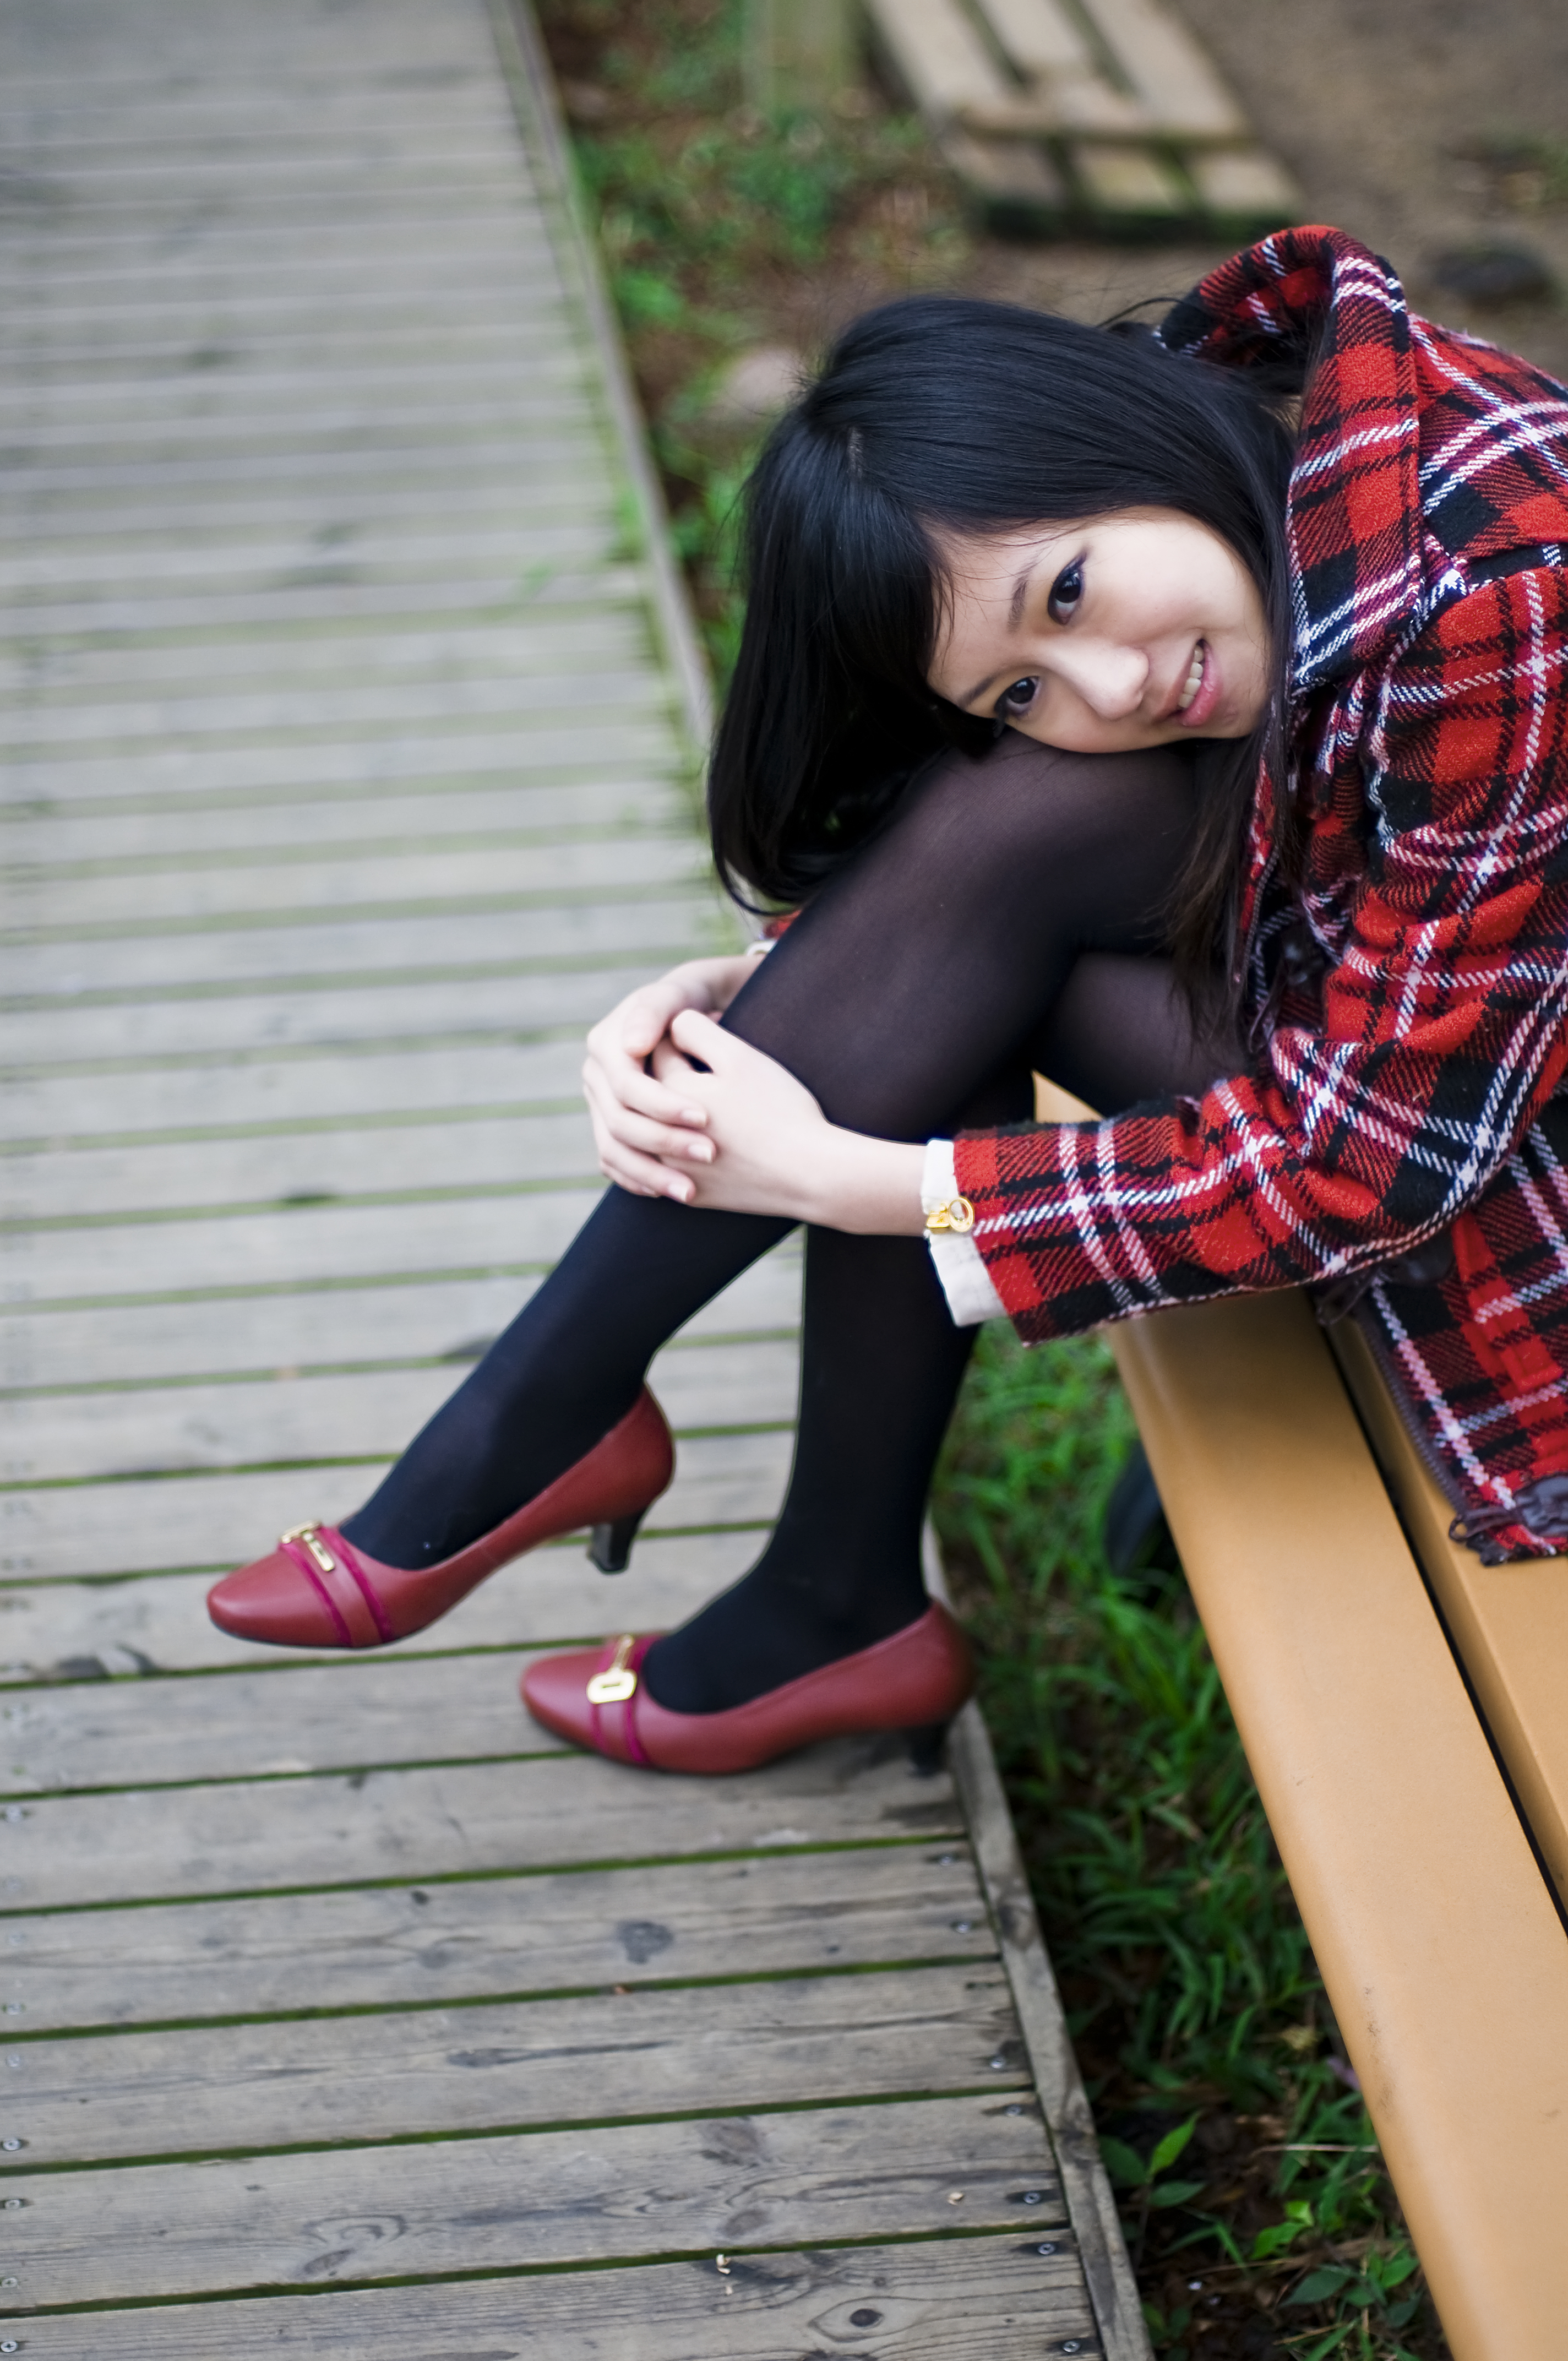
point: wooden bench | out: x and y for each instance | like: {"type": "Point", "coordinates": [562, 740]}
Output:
{"type": "Point", "coordinates": [1405, 1712]}
{"type": "Point", "coordinates": [1103, 115]}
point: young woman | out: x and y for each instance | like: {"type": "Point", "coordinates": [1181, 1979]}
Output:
{"type": "Point", "coordinates": [1185, 717]}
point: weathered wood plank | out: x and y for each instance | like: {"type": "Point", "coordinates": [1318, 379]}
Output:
{"type": "Point", "coordinates": [583, 563]}
{"type": "Point", "coordinates": [77, 586]}
{"type": "Point", "coordinates": [452, 703]}
{"type": "Point", "coordinates": [239, 775]}
{"type": "Point", "coordinates": [1181, 88]}
{"type": "Point", "coordinates": [311, 1245]}
{"type": "Point", "coordinates": [509, 2204]}
{"type": "Point", "coordinates": [205, 1524]}
{"type": "Point", "coordinates": [168, 1179]}
{"type": "Point", "coordinates": [475, 1939]}
{"type": "Point", "coordinates": [456, 1821]}
{"type": "Point", "coordinates": [308, 1088]}
{"type": "Point", "coordinates": [99, 1031]}
{"type": "Point", "coordinates": [938, 55]}
{"type": "Point", "coordinates": [64, 1630]}
{"type": "Point", "coordinates": [282, 1722]}
{"type": "Point", "coordinates": [939, 2299]}
{"type": "Point", "coordinates": [294, 284]}
{"type": "Point", "coordinates": [147, 900]}
{"type": "Point", "coordinates": [178, 383]}
{"type": "Point", "coordinates": [533, 644]}
{"type": "Point", "coordinates": [409, 1321]}
{"type": "Point", "coordinates": [97, 359]}
{"type": "Point", "coordinates": [369, 1414]}
{"type": "Point", "coordinates": [210, 511]}
{"type": "Point", "coordinates": [505, 2066]}
{"type": "Point", "coordinates": [676, 925]}
{"type": "Point", "coordinates": [348, 461]}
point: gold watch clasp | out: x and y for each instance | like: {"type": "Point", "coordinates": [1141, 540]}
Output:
{"type": "Point", "coordinates": [617, 1681]}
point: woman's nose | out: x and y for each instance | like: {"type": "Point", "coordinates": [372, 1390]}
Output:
{"type": "Point", "coordinates": [1110, 680]}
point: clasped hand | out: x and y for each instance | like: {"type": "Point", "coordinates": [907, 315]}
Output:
{"type": "Point", "coordinates": [683, 1109]}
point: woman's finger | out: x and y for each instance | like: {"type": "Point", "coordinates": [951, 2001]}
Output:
{"type": "Point", "coordinates": [646, 1177]}
{"type": "Point", "coordinates": [630, 1028]}
{"type": "Point", "coordinates": [700, 1037]}
{"type": "Point", "coordinates": [628, 1085]}
{"type": "Point", "coordinates": [615, 1128]}
{"type": "Point", "coordinates": [616, 1125]}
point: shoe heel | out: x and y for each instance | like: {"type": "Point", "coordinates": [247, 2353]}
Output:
{"type": "Point", "coordinates": [926, 1746]}
{"type": "Point", "coordinates": [610, 1546]}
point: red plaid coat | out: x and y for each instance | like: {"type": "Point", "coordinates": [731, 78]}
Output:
{"type": "Point", "coordinates": [1403, 1100]}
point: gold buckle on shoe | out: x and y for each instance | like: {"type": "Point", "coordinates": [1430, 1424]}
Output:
{"type": "Point", "coordinates": [617, 1681]}
{"type": "Point", "coordinates": [310, 1538]}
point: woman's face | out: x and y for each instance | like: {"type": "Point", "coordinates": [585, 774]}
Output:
{"type": "Point", "coordinates": [1139, 629]}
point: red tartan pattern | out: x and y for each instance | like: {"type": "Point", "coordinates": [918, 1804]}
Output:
{"type": "Point", "coordinates": [1398, 1096]}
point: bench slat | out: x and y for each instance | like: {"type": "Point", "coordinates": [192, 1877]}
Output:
{"type": "Point", "coordinates": [1508, 1624]}
{"type": "Point", "coordinates": [1438, 1940]}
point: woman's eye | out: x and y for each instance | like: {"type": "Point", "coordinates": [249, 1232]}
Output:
{"type": "Point", "coordinates": [1066, 592]}
{"type": "Point", "coordinates": [1020, 697]}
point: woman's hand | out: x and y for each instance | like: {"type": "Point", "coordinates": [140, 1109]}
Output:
{"type": "Point", "coordinates": [638, 1121]}
{"type": "Point", "coordinates": [771, 1149]}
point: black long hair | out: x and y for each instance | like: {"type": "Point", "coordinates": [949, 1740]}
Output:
{"type": "Point", "coordinates": [936, 415]}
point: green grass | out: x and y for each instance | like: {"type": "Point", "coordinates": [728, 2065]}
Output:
{"type": "Point", "coordinates": [1242, 2159]}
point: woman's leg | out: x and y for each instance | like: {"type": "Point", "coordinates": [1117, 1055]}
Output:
{"type": "Point", "coordinates": [925, 969]}
{"type": "Point", "coordinates": [881, 1365]}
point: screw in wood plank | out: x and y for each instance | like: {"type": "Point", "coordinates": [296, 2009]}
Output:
{"type": "Point", "coordinates": [1047, 2249]}
{"type": "Point", "coordinates": [12, 2143]}
{"type": "Point", "coordinates": [1033, 2197]}
{"type": "Point", "coordinates": [722, 2264]}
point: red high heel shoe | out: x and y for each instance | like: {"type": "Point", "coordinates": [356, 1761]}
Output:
{"type": "Point", "coordinates": [317, 1590]}
{"type": "Point", "coordinates": [914, 1682]}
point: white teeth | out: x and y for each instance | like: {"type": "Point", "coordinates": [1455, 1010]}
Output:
{"type": "Point", "coordinates": [1194, 681]}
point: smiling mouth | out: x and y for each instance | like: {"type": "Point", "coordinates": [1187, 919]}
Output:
{"type": "Point", "coordinates": [1194, 681]}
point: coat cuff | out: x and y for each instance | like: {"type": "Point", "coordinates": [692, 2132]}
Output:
{"type": "Point", "coordinates": [964, 1278]}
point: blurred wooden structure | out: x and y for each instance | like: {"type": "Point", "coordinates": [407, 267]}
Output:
{"type": "Point", "coordinates": [1105, 117]}
{"type": "Point", "coordinates": [799, 53]}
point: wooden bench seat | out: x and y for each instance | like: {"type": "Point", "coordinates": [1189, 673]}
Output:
{"type": "Point", "coordinates": [1438, 1934]}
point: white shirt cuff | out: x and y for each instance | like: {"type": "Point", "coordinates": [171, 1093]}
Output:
{"type": "Point", "coordinates": [966, 1282]}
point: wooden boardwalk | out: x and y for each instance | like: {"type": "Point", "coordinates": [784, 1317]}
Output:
{"type": "Point", "coordinates": [345, 739]}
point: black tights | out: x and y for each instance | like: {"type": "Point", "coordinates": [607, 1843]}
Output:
{"type": "Point", "coordinates": [1007, 920]}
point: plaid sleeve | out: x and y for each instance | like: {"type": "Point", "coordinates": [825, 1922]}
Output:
{"type": "Point", "coordinates": [1439, 1038]}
